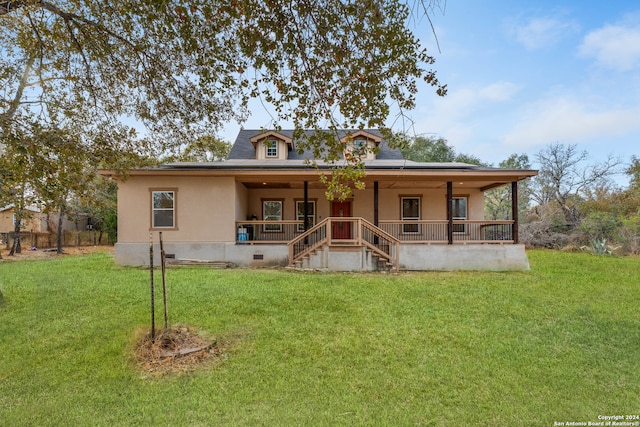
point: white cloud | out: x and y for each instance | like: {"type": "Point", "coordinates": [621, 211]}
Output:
{"type": "Point", "coordinates": [539, 33]}
{"type": "Point", "coordinates": [461, 118]}
{"type": "Point", "coordinates": [453, 115]}
{"type": "Point", "coordinates": [568, 121]}
{"type": "Point", "coordinates": [461, 102]}
{"type": "Point", "coordinates": [614, 46]}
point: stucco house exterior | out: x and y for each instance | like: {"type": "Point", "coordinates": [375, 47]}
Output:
{"type": "Point", "coordinates": [35, 220]}
{"type": "Point", "coordinates": [265, 205]}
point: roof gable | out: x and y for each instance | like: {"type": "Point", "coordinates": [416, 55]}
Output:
{"type": "Point", "coordinates": [11, 206]}
{"type": "Point", "coordinates": [244, 147]}
{"type": "Point", "coordinates": [270, 135]}
{"type": "Point", "coordinates": [362, 134]}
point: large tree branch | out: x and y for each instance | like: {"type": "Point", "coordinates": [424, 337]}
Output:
{"type": "Point", "coordinates": [7, 6]}
{"type": "Point", "coordinates": [7, 116]}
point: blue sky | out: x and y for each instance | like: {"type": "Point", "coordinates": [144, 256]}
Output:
{"type": "Point", "coordinates": [523, 74]}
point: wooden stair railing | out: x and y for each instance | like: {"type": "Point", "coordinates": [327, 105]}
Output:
{"type": "Point", "coordinates": [308, 242]}
{"type": "Point", "coordinates": [380, 243]}
{"type": "Point", "coordinates": [376, 241]}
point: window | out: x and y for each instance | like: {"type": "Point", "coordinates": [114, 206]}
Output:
{"type": "Point", "coordinates": [459, 211]}
{"type": "Point", "coordinates": [311, 213]}
{"type": "Point", "coordinates": [360, 146]}
{"type": "Point", "coordinates": [271, 147]}
{"type": "Point", "coordinates": [163, 209]}
{"type": "Point", "coordinates": [410, 212]}
{"type": "Point", "coordinates": [272, 211]}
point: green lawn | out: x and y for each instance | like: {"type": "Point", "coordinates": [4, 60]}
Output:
{"type": "Point", "coordinates": [555, 344]}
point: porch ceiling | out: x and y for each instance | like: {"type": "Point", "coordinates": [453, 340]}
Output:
{"type": "Point", "coordinates": [396, 184]}
{"type": "Point", "coordinates": [411, 177]}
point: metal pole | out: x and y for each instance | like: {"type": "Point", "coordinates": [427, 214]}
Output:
{"type": "Point", "coordinates": [450, 212]}
{"type": "Point", "coordinates": [164, 283]}
{"type": "Point", "coordinates": [153, 305]}
{"type": "Point", "coordinates": [514, 210]}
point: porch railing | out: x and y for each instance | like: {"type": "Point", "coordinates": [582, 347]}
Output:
{"type": "Point", "coordinates": [249, 232]}
{"type": "Point", "coordinates": [429, 232]}
{"type": "Point", "coordinates": [346, 231]}
{"type": "Point", "coordinates": [483, 231]}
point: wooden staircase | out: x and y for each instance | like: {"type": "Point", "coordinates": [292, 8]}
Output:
{"type": "Point", "coordinates": [355, 234]}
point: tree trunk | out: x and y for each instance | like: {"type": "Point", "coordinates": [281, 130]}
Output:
{"type": "Point", "coordinates": [16, 248]}
{"type": "Point", "coordinates": [60, 233]}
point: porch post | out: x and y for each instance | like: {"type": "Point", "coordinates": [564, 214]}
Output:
{"type": "Point", "coordinates": [514, 210]}
{"type": "Point", "coordinates": [450, 212]}
{"type": "Point", "coordinates": [375, 203]}
{"type": "Point", "coordinates": [306, 205]}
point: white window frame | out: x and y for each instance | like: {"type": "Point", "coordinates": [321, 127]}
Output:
{"type": "Point", "coordinates": [272, 228]}
{"type": "Point", "coordinates": [360, 145]}
{"type": "Point", "coordinates": [311, 217]}
{"type": "Point", "coordinates": [271, 148]}
{"type": "Point", "coordinates": [410, 228]}
{"type": "Point", "coordinates": [159, 209]}
{"type": "Point", "coordinates": [460, 228]}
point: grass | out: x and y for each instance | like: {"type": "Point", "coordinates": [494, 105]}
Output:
{"type": "Point", "coordinates": [558, 343]}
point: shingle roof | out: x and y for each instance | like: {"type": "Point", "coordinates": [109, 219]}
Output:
{"type": "Point", "coordinates": [243, 158]}
{"type": "Point", "coordinates": [243, 149]}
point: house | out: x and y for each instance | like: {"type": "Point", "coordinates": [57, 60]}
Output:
{"type": "Point", "coordinates": [34, 221]}
{"type": "Point", "coordinates": [265, 206]}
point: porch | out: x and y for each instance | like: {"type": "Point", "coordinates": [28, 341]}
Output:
{"type": "Point", "coordinates": [407, 216]}
{"type": "Point", "coordinates": [353, 243]}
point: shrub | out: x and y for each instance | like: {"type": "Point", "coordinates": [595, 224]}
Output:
{"type": "Point", "coordinates": [600, 247]}
{"type": "Point", "coordinates": [600, 226]}
{"type": "Point", "coordinates": [541, 234]}
{"type": "Point", "coordinates": [629, 235]}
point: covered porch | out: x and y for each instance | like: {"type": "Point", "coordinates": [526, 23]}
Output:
{"type": "Point", "coordinates": [409, 211]}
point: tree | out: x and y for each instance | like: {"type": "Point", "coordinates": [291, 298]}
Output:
{"type": "Point", "coordinates": [613, 213]}
{"type": "Point", "coordinates": [64, 173]}
{"type": "Point", "coordinates": [633, 170]}
{"type": "Point", "coordinates": [498, 201]}
{"type": "Point", "coordinates": [52, 165]}
{"type": "Point", "coordinates": [184, 69]}
{"type": "Point", "coordinates": [564, 177]}
{"type": "Point", "coordinates": [17, 168]}
{"type": "Point", "coordinates": [432, 149]}
{"type": "Point", "coordinates": [203, 149]}
{"type": "Point", "coordinates": [100, 205]}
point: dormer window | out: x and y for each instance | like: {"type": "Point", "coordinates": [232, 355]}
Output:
{"type": "Point", "coordinates": [360, 146]}
{"type": "Point", "coordinates": [271, 148]}
{"type": "Point", "coordinates": [272, 145]}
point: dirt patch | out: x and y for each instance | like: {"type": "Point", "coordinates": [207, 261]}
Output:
{"type": "Point", "coordinates": [175, 350]}
{"type": "Point", "coordinates": [36, 254]}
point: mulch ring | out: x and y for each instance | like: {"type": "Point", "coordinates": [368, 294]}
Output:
{"type": "Point", "coordinates": [175, 350]}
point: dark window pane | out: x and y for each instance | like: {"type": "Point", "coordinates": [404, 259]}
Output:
{"type": "Point", "coordinates": [411, 208]}
{"type": "Point", "coordinates": [163, 218]}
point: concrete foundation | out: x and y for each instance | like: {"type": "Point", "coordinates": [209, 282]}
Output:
{"type": "Point", "coordinates": [486, 257]}
{"type": "Point", "coordinates": [137, 254]}
{"type": "Point", "coordinates": [412, 257]}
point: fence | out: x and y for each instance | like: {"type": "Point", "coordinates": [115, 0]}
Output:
{"type": "Point", "coordinates": [50, 240]}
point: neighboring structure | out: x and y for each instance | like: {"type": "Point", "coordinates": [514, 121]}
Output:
{"type": "Point", "coordinates": [266, 206]}
{"type": "Point", "coordinates": [34, 222]}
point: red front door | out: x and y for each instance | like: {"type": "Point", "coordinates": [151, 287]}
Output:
{"type": "Point", "coordinates": [340, 229]}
